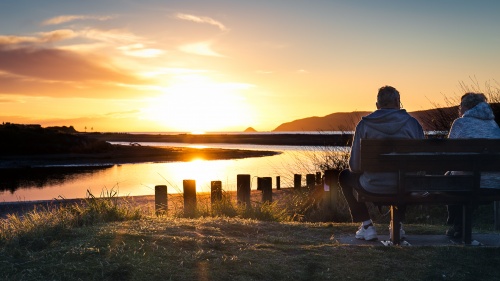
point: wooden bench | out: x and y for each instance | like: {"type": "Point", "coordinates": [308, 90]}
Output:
{"type": "Point", "coordinates": [421, 164]}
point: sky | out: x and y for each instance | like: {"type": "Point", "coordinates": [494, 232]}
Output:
{"type": "Point", "coordinates": [213, 66]}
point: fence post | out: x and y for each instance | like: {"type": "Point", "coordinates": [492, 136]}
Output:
{"type": "Point", "coordinates": [216, 191]}
{"type": "Point", "coordinates": [267, 189]}
{"type": "Point", "coordinates": [189, 197]}
{"type": "Point", "coordinates": [243, 189]}
{"type": "Point", "coordinates": [297, 180]}
{"type": "Point", "coordinates": [310, 179]}
{"type": "Point", "coordinates": [161, 199]}
{"type": "Point", "coordinates": [278, 183]}
{"type": "Point", "coordinates": [259, 185]}
{"type": "Point", "coordinates": [318, 177]}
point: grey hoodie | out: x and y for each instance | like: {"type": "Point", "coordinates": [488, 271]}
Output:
{"type": "Point", "coordinates": [382, 124]}
{"type": "Point", "coordinates": [478, 122]}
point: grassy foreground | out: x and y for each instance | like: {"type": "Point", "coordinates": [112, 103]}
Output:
{"type": "Point", "coordinates": [108, 240]}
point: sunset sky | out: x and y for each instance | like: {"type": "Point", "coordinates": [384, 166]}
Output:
{"type": "Point", "coordinates": [186, 66]}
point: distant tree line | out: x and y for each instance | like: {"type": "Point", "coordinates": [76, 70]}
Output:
{"type": "Point", "coordinates": [33, 139]}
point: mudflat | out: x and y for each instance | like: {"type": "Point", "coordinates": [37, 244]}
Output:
{"type": "Point", "coordinates": [123, 154]}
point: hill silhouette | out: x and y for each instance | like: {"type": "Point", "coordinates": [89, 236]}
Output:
{"type": "Point", "coordinates": [437, 119]}
{"type": "Point", "coordinates": [431, 119]}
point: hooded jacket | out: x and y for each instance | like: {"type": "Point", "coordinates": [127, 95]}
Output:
{"type": "Point", "coordinates": [382, 124]}
{"type": "Point", "coordinates": [478, 122]}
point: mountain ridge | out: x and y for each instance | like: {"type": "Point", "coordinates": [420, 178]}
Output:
{"type": "Point", "coordinates": [430, 119]}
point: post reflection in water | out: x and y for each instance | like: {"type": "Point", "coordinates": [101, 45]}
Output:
{"type": "Point", "coordinates": [140, 179]}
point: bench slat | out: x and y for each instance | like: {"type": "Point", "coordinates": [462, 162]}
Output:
{"type": "Point", "coordinates": [434, 155]}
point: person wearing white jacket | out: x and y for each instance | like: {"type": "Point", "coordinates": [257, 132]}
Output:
{"type": "Point", "coordinates": [389, 121]}
{"type": "Point", "coordinates": [476, 121]}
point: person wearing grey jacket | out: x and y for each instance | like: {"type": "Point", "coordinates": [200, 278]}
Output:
{"type": "Point", "coordinates": [476, 121]}
{"type": "Point", "coordinates": [389, 121]}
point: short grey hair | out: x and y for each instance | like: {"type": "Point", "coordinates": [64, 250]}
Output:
{"type": "Point", "coordinates": [388, 96]}
{"type": "Point", "coordinates": [469, 100]}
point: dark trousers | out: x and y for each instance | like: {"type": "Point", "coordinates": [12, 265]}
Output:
{"type": "Point", "coordinates": [347, 181]}
{"type": "Point", "coordinates": [455, 215]}
{"type": "Point", "coordinates": [359, 211]}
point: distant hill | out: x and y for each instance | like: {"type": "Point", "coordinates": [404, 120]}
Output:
{"type": "Point", "coordinates": [250, 130]}
{"type": "Point", "coordinates": [431, 119]}
{"type": "Point", "coordinates": [342, 121]}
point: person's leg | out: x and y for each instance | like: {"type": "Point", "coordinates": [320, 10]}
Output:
{"type": "Point", "coordinates": [454, 214]}
{"type": "Point", "coordinates": [359, 210]}
{"type": "Point", "coordinates": [455, 219]}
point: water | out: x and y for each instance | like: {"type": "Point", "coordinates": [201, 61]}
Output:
{"type": "Point", "coordinates": [140, 179]}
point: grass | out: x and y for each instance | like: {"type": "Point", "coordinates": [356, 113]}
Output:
{"type": "Point", "coordinates": [110, 239]}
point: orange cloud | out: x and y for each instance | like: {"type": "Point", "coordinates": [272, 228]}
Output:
{"type": "Point", "coordinates": [55, 72]}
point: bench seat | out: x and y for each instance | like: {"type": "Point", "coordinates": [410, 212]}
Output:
{"type": "Point", "coordinates": [421, 165]}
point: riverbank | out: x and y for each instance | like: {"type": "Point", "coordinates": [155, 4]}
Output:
{"type": "Point", "coordinates": [124, 154]}
{"type": "Point", "coordinates": [300, 139]}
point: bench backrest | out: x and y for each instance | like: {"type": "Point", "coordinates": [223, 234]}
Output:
{"type": "Point", "coordinates": [384, 155]}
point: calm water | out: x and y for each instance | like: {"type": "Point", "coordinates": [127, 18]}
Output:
{"type": "Point", "coordinates": [140, 179]}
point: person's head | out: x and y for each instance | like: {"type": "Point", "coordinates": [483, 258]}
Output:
{"type": "Point", "coordinates": [388, 97]}
{"type": "Point", "coordinates": [469, 100]}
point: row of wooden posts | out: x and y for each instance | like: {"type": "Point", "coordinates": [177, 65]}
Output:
{"type": "Point", "coordinates": [243, 188]}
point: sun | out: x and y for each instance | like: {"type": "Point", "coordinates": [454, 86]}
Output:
{"type": "Point", "coordinates": [196, 103]}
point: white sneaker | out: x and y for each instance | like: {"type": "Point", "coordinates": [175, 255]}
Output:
{"type": "Point", "coordinates": [369, 233]}
{"type": "Point", "coordinates": [402, 232]}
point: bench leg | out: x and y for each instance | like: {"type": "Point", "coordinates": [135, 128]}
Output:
{"type": "Point", "coordinates": [396, 222]}
{"type": "Point", "coordinates": [467, 221]}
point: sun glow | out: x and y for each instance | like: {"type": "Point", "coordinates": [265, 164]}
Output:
{"type": "Point", "coordinates": [195, 103]}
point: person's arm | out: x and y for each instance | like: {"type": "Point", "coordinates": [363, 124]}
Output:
{"type": "Point", "coordinates": [354, 159]}
{"type": "Point", "coordinates": [456, 129]}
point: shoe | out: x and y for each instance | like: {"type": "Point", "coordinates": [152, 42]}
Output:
{"type": "Point", "coordinates": [402, 232]}
{"type": "Point", "coordinates": [455, 231]}
{"type": "Point", "coordinates": [367, 233]}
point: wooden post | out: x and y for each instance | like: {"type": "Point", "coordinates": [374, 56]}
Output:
{"type": "Point", "coordinates": [318, 177]}
{"type": "Point", "coordinates": [243, 189]}
{"type": "Point", "coordinates": [278, 182]}
{"type": "Point", "coordinates": [396, 224]}
{"type": "Point", "coordinates": [310, 179]}
{"type": "Point", "coordinates": [259, 185]}
{"type": "Point", "coordinates": [297, 180]}
{"type": "Point", "coordinates": [216, 191]}
{"type": "Point", "coordinates": [161, 200]}
{"type": "Point", "coordinates": [267, 189]}
{"type": "Point", "coordinates": [189, 197]}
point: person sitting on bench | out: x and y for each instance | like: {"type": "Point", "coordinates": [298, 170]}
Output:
{"type": "Point", "coordinates": [388, 121]}
{"type": "Point", "coordinates": [476, 120]}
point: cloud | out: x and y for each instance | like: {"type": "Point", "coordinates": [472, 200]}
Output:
{"type": "Point", "coordinates": [43, 37]}
{"type": "Point", "coordinates": [138, 50]}
{"type": "Point", "coordinates": [200, 48]}
{"type": "Point", "coordinates": [68, 18]}
{"type": "Point", "coordinates": [111, 36]}
{"type": "Point", "coordinates": [53, 72]}
{"type": "Point", "coordinates": [205, 20]}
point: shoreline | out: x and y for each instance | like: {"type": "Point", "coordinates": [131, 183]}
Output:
{"type": "Point", "coordinates": [122, 154]}
{"type": "Point", "coordinates": [298, 139]}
